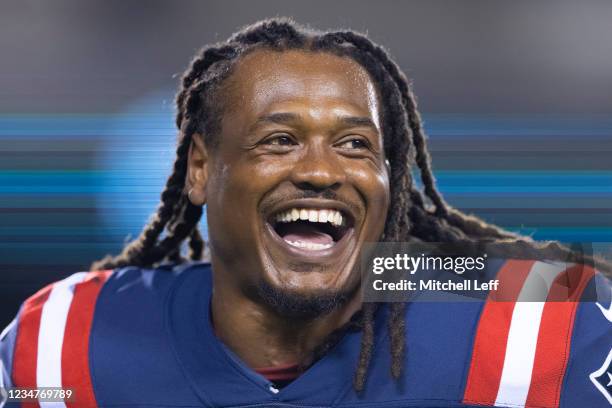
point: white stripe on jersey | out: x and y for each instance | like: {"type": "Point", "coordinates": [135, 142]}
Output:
{"type": "Point", "coordinates": [51, 335]}
{"type": "Point", "coordinates": [7, 329]}
{"type": "Point", "coordinates": [523, 334]}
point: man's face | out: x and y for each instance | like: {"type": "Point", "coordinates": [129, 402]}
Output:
{"type": "Point", "coordinates": [298, 181]}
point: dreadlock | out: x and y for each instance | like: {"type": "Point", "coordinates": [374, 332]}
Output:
{"type": "Point", "coordinates": [414, 215]}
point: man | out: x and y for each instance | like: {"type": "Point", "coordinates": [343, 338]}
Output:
{"type": "Point", "coordinates": [301, 145]}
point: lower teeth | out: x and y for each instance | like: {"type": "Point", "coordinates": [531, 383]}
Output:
{"type": "Point", "coordinates": [309, 245]}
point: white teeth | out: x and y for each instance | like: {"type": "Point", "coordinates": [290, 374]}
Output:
{"type": "Point", "coordinates": [323, 216]}
{"type": "Point", "coordinates": [309, 245]}
{"type": "Point", "coordinates": [334, 217]}
{"type": "Point", "coordinates": [313, 216]}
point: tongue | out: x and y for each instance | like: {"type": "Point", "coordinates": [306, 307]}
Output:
{"type": "Point", "coordinates": [306, 233]}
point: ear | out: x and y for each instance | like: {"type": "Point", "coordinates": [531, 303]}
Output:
{"type": "Point", "coordinates": [197, 171]}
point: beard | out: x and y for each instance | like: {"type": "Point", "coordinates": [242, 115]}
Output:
{"type": "Point", "coordinates": [300, 306]}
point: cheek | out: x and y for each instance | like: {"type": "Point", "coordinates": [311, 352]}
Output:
{"type": "Point", "coordinates": [233, 194]}
{"type": "Point", "coordinates": [373, 185]}
{"type": "Point", "coordinates": [238, 187]}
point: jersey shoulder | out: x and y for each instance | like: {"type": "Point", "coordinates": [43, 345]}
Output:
{"type": "Point", "coordinates": [533, 336]}
{"type": "Point", "coordinates": [48, 343]}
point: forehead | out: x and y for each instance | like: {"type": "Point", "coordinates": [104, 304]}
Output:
{"type": "Point", "coordinates": [266, 77]}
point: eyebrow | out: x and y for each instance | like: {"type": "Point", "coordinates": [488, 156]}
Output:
{"type": "Point", "coordinates": [358, 121]}
{"type": "Point", "coordinates": [285, 118]}
{"type": "Point", "coordinates": [280, 118]}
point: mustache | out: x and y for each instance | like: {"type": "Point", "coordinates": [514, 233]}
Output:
{"type": "Point", "coordinates": [327, 194]}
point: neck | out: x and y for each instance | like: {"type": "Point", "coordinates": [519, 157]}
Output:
{"type": "Point", "coordinates": [263, 338]}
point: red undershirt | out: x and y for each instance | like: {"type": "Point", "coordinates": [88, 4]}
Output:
{"type": "Point", "coordinates": [280, 375]}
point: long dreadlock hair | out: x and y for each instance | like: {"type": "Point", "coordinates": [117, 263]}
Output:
{"type": "Point", "coordinates": [414, 215]}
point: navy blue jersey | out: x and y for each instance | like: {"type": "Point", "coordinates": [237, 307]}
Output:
{"type": "Point", "coordinates": [143, 338]}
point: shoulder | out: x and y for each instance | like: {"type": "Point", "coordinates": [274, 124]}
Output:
{"type": "Point", "coordinates": [133, 283]}
{"type": "Point", "coordinates": [46, 343]}
{"type": "Point", "coordinates": [537, 336]}
{"type": "Point", "coordinates": [56, 298]}
{"type": "Point", "coordinates": [73, 300]}
{"type": "Point", "coordinates": [53, 326]}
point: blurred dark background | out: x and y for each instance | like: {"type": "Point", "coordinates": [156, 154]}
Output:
{"type": "Point", "coordinates": [517, 98]}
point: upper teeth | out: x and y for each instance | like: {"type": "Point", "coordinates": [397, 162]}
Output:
{"type": "Point", "coordinates": [313, 215]}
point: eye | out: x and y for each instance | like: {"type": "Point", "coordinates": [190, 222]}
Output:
{"type": "Point", "coordinates": [354, 143]}
{"type": "Point", "coordinates": [280, 139]}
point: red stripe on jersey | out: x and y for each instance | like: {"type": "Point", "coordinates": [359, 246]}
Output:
{"type": "Point", "coordinates": [492, 334]}
{"type": "Point", "coordinates": [554, 337]}
{"type": "Point", "coordinates": [75, 350]}
{"type": "Point", "coordinates": [26, 343]}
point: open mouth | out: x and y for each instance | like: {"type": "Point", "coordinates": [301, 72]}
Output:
{"type": "Point", "coordinates": [311, 229]}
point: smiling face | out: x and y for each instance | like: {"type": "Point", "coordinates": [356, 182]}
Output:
{"type": "Point", "coordinates": [297, 183]}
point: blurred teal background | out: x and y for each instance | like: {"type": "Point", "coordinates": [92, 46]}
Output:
{"type": "Point", "coordinates": [516, 99]}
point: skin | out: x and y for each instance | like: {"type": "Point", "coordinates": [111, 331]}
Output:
{"type": "Point", "coordinates": [296, 124]}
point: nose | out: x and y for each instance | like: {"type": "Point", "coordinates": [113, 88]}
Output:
{"type": "Point", "coordinates": [318, 169]}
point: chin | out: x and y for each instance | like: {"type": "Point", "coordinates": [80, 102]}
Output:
{"type": "Point", "coordinates": [302, 304]}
